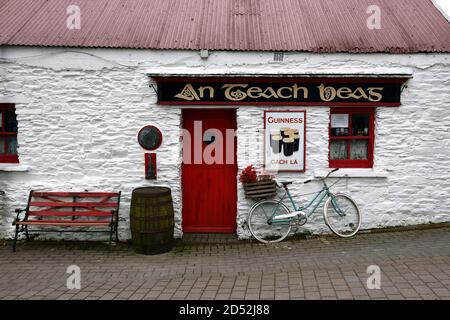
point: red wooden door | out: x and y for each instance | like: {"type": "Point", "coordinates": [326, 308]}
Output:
{"type": "Point", "coordinates": [209, 176]}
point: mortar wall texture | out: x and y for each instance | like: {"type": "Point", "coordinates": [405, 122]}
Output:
{"type": "Point", "coordinates": [79, 111]}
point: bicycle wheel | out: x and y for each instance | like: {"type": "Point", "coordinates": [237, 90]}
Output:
{"type": "Point", "coordinates": [342, 215]}
{"type": "Point", "coordinates": [260, 224]}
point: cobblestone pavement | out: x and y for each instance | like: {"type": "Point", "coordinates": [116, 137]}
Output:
{"type": "Point", "coordinates": [414, 265]}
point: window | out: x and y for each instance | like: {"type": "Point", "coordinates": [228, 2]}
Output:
{"type": "Point", "coordinates": [351, 138]}
{"type": "Point", "coordinates": [8, 134]}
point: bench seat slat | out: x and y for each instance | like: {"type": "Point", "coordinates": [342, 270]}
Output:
{"type": "Point", "coordinates": [44, 213]}
{"type": "Point", "coordinates": [74, 204]}
{"type": "Point", "coordinates": [76, 194]}
{"type": "Point", "coordinates": [68, 223]}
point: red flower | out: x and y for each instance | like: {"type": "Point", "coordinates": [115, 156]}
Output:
{"type": "Point", "coordinates": [248, 175]}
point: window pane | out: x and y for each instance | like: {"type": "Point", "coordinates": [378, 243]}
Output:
{"type": "Point", "coordinates": [358, 149]}
{"type": "Point", "coordinates": [338, 150]}
{"type": "Point", "coordinates": [2, 145]}
{"type": "Point", "coordinates": [10, 121]}
{"type": "Point", "coordinates": [360, 124]}
{"type": "Point", "coordinates": [339, 124]}
{"type": "Point", "coordinates": [11, 145]}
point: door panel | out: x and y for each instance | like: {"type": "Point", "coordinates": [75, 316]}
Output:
{"type": "Point", "coordinates": [209, 190]}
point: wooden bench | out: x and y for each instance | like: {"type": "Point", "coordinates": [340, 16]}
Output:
{"type": "Point", "coordinates": [67, 210]}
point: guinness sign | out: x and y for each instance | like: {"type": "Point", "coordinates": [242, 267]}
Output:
{"type": "Point", "coordinates": [280, 91]}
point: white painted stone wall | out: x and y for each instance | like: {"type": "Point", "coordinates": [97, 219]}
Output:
{"type": "Point", "coordinates": [79, 111]}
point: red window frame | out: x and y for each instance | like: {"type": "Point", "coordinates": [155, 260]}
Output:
{"type": "Point", "coordinates": [348, 163]}
{"type": "Point", "coordinates": [7, 158]}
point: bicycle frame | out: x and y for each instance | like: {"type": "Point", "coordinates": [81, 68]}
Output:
{"type": "Point", "coordinates": [314, 203]}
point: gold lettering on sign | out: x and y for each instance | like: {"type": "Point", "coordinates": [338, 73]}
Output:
{"type": "Point", "coordinates": [269, 93]}
{"type": "Point", "coordinates": [326, 93]}
{"type": "Point", "coordinates": [344, 93]}
{"type": "Point", "coordinates": [201, 91]}
{"type": "Point", "coordinates": [359, 93]}
{"type": "Point", "coordinates": [330, 93]}
{"type": "Point", "coordinates": [254, 92]}
{"type": "Point", "coordinates": [296, 89]}
{"type": "Point", "coordinates": [234, 92]}
{"type": "Point", "coordinates": [375, 96]}
{"type": "Point", "coordinates": [236, 95]}
{"type": "Point", "coordinates": [280, 92]}
{"type": "Point", "coordinates": [241, 91]}
{"type": "Point", "coordinates": [188, 93]}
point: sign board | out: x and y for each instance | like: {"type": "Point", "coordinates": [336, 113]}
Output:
{"type": "Point", "coordinates": [280, 91]}
{"type": "Point", "coordinates": [284, 140]}
{"type": "Point", "coordinates": [151, 171]}
{"type": "Point", "coordinates": [339, 120]}
{"type": "Point", "coordinates": [150, 138]}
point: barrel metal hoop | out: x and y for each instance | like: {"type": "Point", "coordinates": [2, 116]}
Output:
{"type": "Point", "coordinates": [152, 218]}
{"type": "Point", "coordinates": [154, 203]}
{"type": "Point", "coordinates": [159, 230]}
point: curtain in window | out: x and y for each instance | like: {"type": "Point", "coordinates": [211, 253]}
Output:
{"type": "Point", "coordinates": [358, 150]}
{"type": "Point", "coordinates": [338, 150]}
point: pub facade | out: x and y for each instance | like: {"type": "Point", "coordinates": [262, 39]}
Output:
{"type": "Point", "coordinates": [80, 119]}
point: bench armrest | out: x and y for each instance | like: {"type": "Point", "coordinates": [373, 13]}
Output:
{"type": "Point", "coordinates": [115, 215]}
{"type": "Point", "coordinates": [18, 211]}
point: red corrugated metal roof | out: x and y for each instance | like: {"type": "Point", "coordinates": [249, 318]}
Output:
{"type": "Point", "coordinates": [407, 26]}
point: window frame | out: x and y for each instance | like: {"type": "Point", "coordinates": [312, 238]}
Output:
{"type": "Point", "coordinates": [370, 138]}
{"type": "Point", "coordinates": [7, 158]}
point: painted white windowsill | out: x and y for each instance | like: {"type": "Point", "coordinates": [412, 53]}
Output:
{"type": "Point", "coordinates": [352, 173]}
{"type": "Point", "coordinates": [13, 167]}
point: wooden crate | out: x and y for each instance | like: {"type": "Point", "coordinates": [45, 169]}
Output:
{"type": "Point", "coordinates": [260, 189]}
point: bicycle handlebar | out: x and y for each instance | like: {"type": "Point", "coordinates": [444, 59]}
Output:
{"type": "Point", "coordinates": [334, 170]}
{"type": "Point", "coordinates": [310, 180]}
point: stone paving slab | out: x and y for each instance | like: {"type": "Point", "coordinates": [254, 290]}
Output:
{"type": "Point", "coordinates": [413, 264]}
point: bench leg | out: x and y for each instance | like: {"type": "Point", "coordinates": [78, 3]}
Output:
{"type": "Point", "coordinates": [117, 231]}
{"type": "Point", "coordinates": [26, 233]}
{"type": "Point", "coordinates": [111, 233]}
{"type": "Point", "coordinates": [15, 238]}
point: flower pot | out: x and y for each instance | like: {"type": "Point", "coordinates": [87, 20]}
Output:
{"type": "Point", "coordinates": [260, 189]}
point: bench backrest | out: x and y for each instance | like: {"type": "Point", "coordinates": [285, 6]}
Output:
{"type": "Point", "coordinates": [72, 204]}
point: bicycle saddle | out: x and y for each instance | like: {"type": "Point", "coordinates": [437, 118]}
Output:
{"type": "Point", "coordinates": [286, 183]}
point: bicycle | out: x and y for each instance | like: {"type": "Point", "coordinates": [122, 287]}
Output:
{"type": "Point", "coordinates": [271, 221]}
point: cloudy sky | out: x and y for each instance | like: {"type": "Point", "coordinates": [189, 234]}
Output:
{"type": "Point", "coordinates": [445, 5]}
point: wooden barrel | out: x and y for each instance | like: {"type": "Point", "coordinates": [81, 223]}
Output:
{"type": "Point", "coordinates": [152, 220]}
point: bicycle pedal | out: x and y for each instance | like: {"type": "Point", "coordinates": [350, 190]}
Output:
{"type": "Point", "coordinates": [300, 220]}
